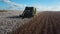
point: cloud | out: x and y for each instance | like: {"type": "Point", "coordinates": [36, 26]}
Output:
{"type": "Point", "coordinates": [0, 0]}
{"type": "Point", "coordinates": [40, 7]}
{"type": "Point", "coordinates": [47, 8]}
{"type": "Point", "coordinates": [14, 5]}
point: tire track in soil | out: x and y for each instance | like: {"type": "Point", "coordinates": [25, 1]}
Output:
{"type": "Point", "coordinates": [55, 19]}
{"type": "Point", "coordinates": [42, 24]}
{"type": "Point", "coordinates": [53, 23]}
{"type": "Point", "coordinates": [50, 25]}
{"type": "Point", "coordinates": [32, 27]}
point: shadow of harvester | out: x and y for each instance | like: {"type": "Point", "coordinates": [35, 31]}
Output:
{"type": "Point", "coordinates": [28, 13]}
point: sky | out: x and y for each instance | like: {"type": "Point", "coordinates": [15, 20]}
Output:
{"type": "Point", "coordinates": [41, 5]}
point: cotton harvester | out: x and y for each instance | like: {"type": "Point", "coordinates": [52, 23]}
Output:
{"type": "Point", "coordinates": [28, 12]}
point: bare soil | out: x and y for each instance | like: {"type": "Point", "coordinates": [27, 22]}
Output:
{"type": "Point", "coordinates": [43, 23]}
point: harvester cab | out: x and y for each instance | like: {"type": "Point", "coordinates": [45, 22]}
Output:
{"type": "Point", "coordinates": [28, 12]}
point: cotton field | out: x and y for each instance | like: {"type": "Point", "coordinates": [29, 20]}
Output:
{"type": "Point", "coordinates": [7, 25]}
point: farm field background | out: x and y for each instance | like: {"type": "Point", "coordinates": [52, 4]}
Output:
{"type": "Point", "coordinates": [46, 22]}
{"type": "Point", "coordinates": [43, 23]}
{"type": "Point", "coordinates": [29, 16]}
{"type": "Point", "coordinates": [8, 25]}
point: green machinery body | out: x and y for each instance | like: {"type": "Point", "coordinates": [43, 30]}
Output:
{"type": "Point", "coordinates": [28, 12]}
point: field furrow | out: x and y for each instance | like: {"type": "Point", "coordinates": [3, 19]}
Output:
{"type": "Point", "coordinates": [44, 23]}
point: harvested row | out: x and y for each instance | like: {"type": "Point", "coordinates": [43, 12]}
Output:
{"type": "Point", "coordinates": [44, 23]}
